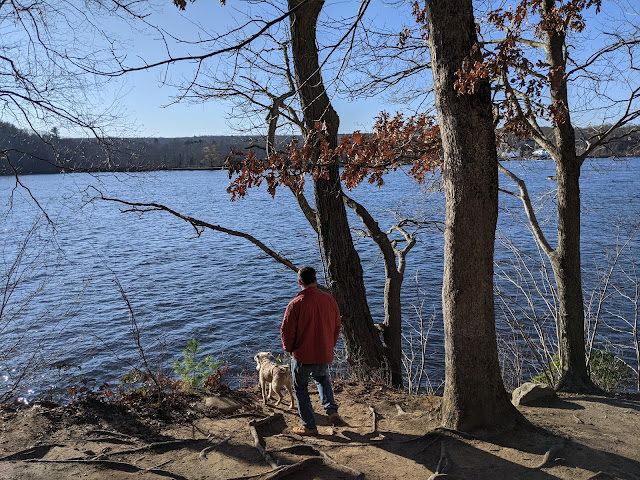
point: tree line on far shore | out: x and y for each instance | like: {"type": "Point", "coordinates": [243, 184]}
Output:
{"type": "Point", "coordinates": [48, 153]}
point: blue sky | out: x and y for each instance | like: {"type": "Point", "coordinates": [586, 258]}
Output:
{"type": "Point", "coordinates": [142, 101]}
{"type": "Point", "coordinates": [146, 100]}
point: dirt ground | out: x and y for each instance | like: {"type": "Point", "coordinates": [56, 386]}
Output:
{"type": "Point", "coordinates": [390, 435]}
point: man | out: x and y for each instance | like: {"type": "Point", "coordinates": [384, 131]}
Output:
{"type": "Point", "coordinates": [309, 331]}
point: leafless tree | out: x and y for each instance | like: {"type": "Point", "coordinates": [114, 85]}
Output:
{"type": "Point", "coordinates": [535, 79]}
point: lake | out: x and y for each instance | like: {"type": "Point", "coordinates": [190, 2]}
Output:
{"type": "Point", "coordinates": [67, 309]}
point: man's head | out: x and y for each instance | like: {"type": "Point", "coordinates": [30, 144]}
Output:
{"type": "Point", "coordinates": [306, 276]}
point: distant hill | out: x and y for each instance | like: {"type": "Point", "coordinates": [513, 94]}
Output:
{"type": "Point", "coordinates": [625, 143]}
{"type": "Point", "coordinates": [30, 153]}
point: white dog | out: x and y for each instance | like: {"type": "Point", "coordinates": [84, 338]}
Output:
{"type": "Point", "coordinates": [274, 376]}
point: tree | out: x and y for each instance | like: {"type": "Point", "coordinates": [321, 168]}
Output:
{"type": "Point", "coordinates": [318, 122]}
{"type": "Point", "coordinates": [474, 396]}
{"type": "Point", "coordinates": [536, 87]}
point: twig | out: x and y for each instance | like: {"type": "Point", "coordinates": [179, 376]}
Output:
{"type": "Point", "coordinates": [203, 453]}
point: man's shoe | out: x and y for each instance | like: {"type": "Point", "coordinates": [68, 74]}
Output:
{"type": "Point", "coordinates": [336, 420]}
{"type": "Point", "coordinates": [304, 431]}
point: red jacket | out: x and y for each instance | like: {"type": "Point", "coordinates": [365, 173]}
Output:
{"type": "Point", "coordinates": [311, 326]}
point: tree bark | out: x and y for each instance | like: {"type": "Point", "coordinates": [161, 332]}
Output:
{"type": "Point", "coordinates": [474, 397]}
{"type": "Point", "coordinates": [565, 259]}
{"type": "Point", "coordinates": [361, 339]}
{"type": "Point", "coordinates": [391, 328]}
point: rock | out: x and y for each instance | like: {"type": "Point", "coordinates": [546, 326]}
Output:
{"type": "Point", "coordinates": [223, 404]}
{"type": "Point", "coordinates": [531, 394]}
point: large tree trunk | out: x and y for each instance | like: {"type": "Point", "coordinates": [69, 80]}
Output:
{"type": "Point", "coordinates": [474, 397]}
{"type": "Point", "coordinates": [361, 338]}
{"type": "Point", "coordinates": [565, 259]}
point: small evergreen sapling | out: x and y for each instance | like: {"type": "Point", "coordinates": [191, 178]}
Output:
{"type": "Point", "coordinates": [192, 371]}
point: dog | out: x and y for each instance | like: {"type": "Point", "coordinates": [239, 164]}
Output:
{"type": "Point", "coordinates": [273, 376]}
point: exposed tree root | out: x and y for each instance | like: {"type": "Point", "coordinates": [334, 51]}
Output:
{"type": "Point", "coordinates": [549, 457]}
{"type": "Point", "coordinates": [37, 451]}
{"type": "Point", "coordinates": [109, 433]}
{"type": "Point", "coordinates": [168, 445]}
{"type": "Point", "coordinates": [602, 476]}
{"type": "Point", "coordinates": [374, 419]}
{"type": "Point", "coordinates": [283, 471]}
{"type": "Point", "coordinates": [204, 452]}
{"type": "Point", "coordinates": [259, 442]}
{"type": "Point", "coordinates": [328, 459]}
{"type": "Point", "coordinates": [122, 466]}
{"type": "Point", "coordinates": [444, 463]}
{"type": "Point", "coordinates": [310, 449]}
{"type": "Point", "coordinates": [116, 440]}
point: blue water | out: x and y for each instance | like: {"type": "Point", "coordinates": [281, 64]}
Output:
{"type": "Point", "coordinates": [221, 290]}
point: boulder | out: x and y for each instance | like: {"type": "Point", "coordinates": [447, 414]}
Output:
{"type": "Point", "coordinates": [223, 404]}
{"type": "Point", "coordinates": [531, 394]}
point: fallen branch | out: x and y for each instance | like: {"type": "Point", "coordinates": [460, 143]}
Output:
{"type": "Point", "coordinates": [549, 457]}
{"type": "Point", "coordinates": [203, 453]}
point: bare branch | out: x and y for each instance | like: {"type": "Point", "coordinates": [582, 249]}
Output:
{"type": "Point", "coordinates": [199, 226]}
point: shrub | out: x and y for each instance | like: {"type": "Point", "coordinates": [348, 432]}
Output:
{"type": "Point", "coordinates": [606, 371]}
{"type": "Point", "coordinates": [193, 372]}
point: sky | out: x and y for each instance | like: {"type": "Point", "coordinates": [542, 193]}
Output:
{"type": "Point", "coordinates": [147, 103]}
{"type": "Point", "coordinates": [141, 104]}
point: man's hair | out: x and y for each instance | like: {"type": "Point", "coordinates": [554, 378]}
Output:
{"type": "Point", "coordinates": [307, 275]}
